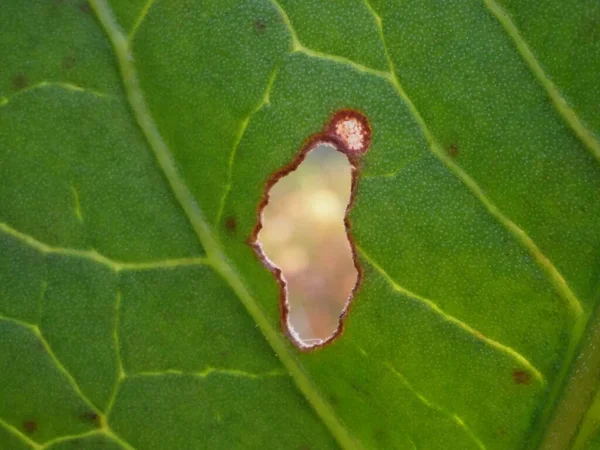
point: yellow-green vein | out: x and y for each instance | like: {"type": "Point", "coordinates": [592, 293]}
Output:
{"type": "Point", "coordinates": [524, 362]}
{"type": "Point", "coordinates": [518, 233]}
{"type": "Point", "coordinates": [265, 100]}
{"type": "Point", "coordinates": [15, 432]}
{"type": "Point", "coordinates": [93, 255]}
{"type": "Point", "coordinates": [211, 371]}
{"type": "Point", "coordinates": [428, 403]}
{"type": "Point", "coordinates": [140, 18]}
{"type": "Point", "coordinates": [69, 378]}
{"type": "Point", "coordinates": [50, 84]}
{"type": "Point", "coordinates": [77, 203]}
{"type": "Point", "coordinates": [561, 105]}
{"type": "Point", "coordinates": [453, 417]}
{"type": "Point", "coordinates": [71, 437]}
{"type": "Point", "coordinates": [120, 369]}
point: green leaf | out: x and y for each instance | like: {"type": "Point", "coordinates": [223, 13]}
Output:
{"type": "Point", "coordinates": [136, 142]}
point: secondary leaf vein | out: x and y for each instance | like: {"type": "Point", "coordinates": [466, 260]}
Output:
{"type": "Point", "coordinates": [211, 371]}
{"type": "Point", "coordinates": [428, 403]}
{"type": "Point", "coordinates": [265, 100]}
{"type": "Point", "coordinates": [518, 233]}
{"type": "Point", "coordinates": [298, 47]}
{"type": "Point", "coordinates": [69, 378]}
{"type": "Point", "coordinates": [453, 417]}
{"type": "Point", "coordinates": [459, 323]}
{"type": "Point", "coordinates": [15, 432]}
{"type": "Point", "coordinates": [93, 255]}
{"type": "Point", "coordinates": [140, 19]}
{"type": "Point", "coordinates": [565, 111]}
{"type": "Point", "coordinates": [71, 437]}
{"type": "Point", "coordinates": [48, 84]}
{"type": "Point", "coordinates": [120, 370]}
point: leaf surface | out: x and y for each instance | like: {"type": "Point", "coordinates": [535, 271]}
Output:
{"type": "Point", "coordinates": [134, 134]}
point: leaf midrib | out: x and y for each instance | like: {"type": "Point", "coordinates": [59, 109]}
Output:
{"type": "Point", "coordinates": [203, 231]}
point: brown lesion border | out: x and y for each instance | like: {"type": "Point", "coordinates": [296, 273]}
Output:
{"type": "Point", "coordinates": [327, 137]}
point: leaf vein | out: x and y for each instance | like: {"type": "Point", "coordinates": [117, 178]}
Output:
{"type": "Point", "coordinates": [298, 47]}
{"type": "Point", "coordinates": [49, 84]}
{"type": "Point", "coordinates": [69, 378]}
{"type": "Point", "coordinates": [453, 417]}
{"type": "Point", "coordinates": [567, 113]}
{"type": "Point", "coordinates": [61, 368]}
{"type": "Point", "coordinates": [265, 100]}
{"type": "Point", "coordinates": [459, 323]}
{"type": "Point", "coordinates": [140, 19]}
{"type": "Point", "coordinates": [71, 437]}
{"type": "Point", "coordinates": [519, 234]}
{"type": "Point", "coordinates": [15, 432]}
{"type": "Point", "coordinates": [93, 255]}
{"type": "Point", "coordinates": [210, 371]}
{"type": "Point", "coordinates": [120, 369]}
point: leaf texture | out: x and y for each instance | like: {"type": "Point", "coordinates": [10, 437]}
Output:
{"type": "Point", "coordinates": [133, 316]}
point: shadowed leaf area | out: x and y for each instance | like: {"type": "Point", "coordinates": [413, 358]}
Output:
{"type": "Point", "coordinates": [136, 141]}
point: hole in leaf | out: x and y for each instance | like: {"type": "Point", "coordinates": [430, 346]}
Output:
{"type": "Point", "coordinates": [303, 232]}
{"type": "Point", "coordinates": [304, 235]}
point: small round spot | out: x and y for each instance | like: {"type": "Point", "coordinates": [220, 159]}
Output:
{"type": "Point", "coordinates": [67, 62]}
{"type": "Point", "coordinates": [260, 26]}
{"type": "Point", "coordinates": [30, 426]}
{"type": "Point", "coordinates": [352, 129]}
{"type": "Point", "coordinates": [521, 377]}
{"type": "Point", "coordinates": [90, 416]}
{"type": "Point", "coordinates": [20, 81]}
{"type": "Point", "coordinates": [453, 151]}
{"type": "Point", "coordinates": [85, 8]}
{"type": "Point", "coordinates": [231, 224]}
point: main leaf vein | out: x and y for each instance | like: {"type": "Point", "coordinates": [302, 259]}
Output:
{"type": "Point", "coordinates": [165, 160]}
